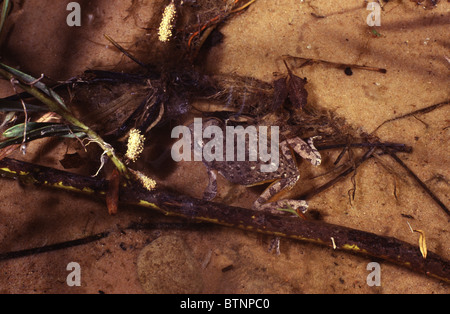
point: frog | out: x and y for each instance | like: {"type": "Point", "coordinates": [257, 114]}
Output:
{"type": "Point", "coordinates": [248, 173]}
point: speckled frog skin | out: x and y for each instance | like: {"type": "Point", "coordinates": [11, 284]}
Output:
{"type": "Point", "coordinates": [248, 173]}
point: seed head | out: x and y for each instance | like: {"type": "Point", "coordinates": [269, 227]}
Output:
{"type": "Point", "coordinates": [146, 182]}
{"type": "Point", "coordinates": [165, 28]}
{"type": "Point", "coordinates": [135, 145]}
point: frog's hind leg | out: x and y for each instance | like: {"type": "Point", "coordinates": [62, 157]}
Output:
{"type": "Point", "coordinates": [276, 207]}
{"type": "Point", "coordinates": [270, 200]}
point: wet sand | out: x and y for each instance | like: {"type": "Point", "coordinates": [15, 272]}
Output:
{"type": "Point", "coordinates": [412, 47]}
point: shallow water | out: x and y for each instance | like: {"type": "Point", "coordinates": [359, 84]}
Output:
{"type": "Point", "coordinates": [412, 47]}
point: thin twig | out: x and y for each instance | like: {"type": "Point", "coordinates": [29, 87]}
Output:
{"type": "Point", "coordinates": [339, 177]}
{"type": "Point", "coordinates": [420, 182]}
{"type": "Point", "coordinates": [419, 111]}
{"type": "Point", "coordinates": [309, 61]}
{"type": "Point", "coordinates": [124, 51]}
{"type": "Point", "coordinates": [52, 247]}
{"type": "Point", "coordinates": [134, 226]}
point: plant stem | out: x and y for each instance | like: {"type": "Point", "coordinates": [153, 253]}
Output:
{"type": "Point", "coordinates": [68, 116]}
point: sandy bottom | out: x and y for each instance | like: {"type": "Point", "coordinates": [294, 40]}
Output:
{"type": "Point", "coordinates": [413, 47]}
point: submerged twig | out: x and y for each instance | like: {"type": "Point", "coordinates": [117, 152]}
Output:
{"type": "Point", "coordinates": [421, 183]}
{"type": "Point", "coordinates": [308, 61]}
{"type": "Point", "coordinates": [124, 51]}
{"type": "Point", "coordinates": [174, 204]}
{"type": "Point", "coordinates": [134, 226]}
{"type": "Point", "coordinates": [53, 247]}
{"type": "Point", "coordinates": [339, 177]}
{"type": "Point", "coordinates": [419, 111]}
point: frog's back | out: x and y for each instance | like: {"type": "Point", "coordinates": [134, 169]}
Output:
{"type": "Point", "coordinates": [249, 173]}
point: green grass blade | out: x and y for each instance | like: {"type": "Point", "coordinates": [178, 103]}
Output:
{"type": "Point", "coordinates": [28, 79]}
{"type": "Point", "coordinates": [5, 10]}
{"type": "Point", "coordinates": [16, 106]}
{"type": "Point", "coordinates": [37, 130]}
{"type": "Point", "coordinates": [43, 128]}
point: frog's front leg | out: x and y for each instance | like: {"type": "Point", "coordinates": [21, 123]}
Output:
{"type": "Point", "coordinates": [306, 150]}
